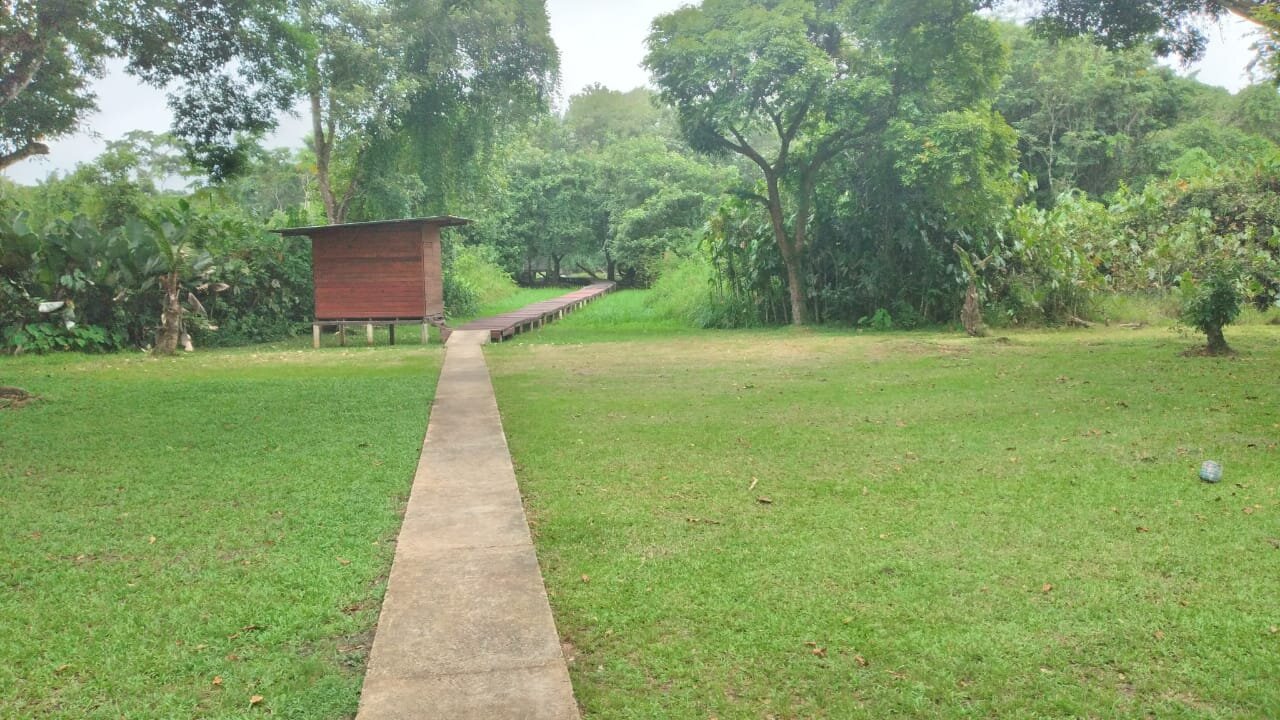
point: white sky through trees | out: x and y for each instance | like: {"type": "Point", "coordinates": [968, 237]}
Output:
{"type": "Point", "coordinates": [600, 41]}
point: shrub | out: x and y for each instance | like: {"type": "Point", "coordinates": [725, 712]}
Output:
{"type": "Point", "coordinates": [1213, 303]}
{"type": "Point", "coordinates": [473, 276]}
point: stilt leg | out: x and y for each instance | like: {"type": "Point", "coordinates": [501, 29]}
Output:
{"type": "Point", "coordinates": [315, 335]}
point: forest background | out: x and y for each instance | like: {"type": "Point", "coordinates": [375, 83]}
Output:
{"type": "Point", "coordinates": [848, 163]}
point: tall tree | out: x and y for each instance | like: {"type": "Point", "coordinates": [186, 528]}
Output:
{"type": "Point", "coordinates": [225, 64]}
{"type": "Point", "coordinates": [353, 75]}
{"type": "Point", "coordinates": [791, 84]}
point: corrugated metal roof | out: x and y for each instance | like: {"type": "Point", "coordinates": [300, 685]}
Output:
{"type": "Point", "coordinates": [438, 221]}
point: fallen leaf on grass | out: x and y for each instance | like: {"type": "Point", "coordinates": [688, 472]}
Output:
{"type": "Point", "coordinates": [1143, 529]}
{"type": "Point", "coordinates": [862, 662]}
{"type": "Point", "coordinates": [151, 540]}
{"type": "Point", "coordinates": [255, 700]}
{"type": "Point", "coordinates": [764, 500]}
{"type": "Point", "coordinates": [1275, 629]}
{"type": "Point", "coordinates": [344, 561]}
{"type": "Point", "coordinates": [1159, 634]}
{"type": "Point", "coordinates": [586, 578]}
{"type": "Point", "coordinates": [217, 680]}
{"type": "Point", "coordinates": [820, 652]}
{"type": "Point", "coordinates": [1047, 587]}
{"type": "Point", "coordinates": [1248, 511]}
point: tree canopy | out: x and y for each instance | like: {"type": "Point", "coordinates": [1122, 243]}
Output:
{"type": "Point", "coordinates": [792, 84]}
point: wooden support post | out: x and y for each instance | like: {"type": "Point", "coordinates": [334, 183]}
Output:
{"type": "Point", "coordinates": [342, 334]}
{"type": "Point", "coordinates": [368, 333]}
{"type": "Point", "coordinates": [426, 334]}
{"type": "Point", "coordinates": [392, 328]}
{"type": "Point", "coordinates": [315, 335]}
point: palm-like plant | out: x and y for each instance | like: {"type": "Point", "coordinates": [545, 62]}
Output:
{"type": "Point", "coordinates": [169, 242]}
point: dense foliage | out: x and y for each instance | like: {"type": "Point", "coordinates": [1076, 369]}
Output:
{"type": "Point", "coordinates": [859, 163]}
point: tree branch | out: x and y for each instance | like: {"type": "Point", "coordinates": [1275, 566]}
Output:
{"type": "Point", "coordinates": [30, 149]}
{"type": "Point", "coordinates": [748, 195]}
{"type": "Point", "coordinates": [745, 149]}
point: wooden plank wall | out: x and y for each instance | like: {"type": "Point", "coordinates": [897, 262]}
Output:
{"type": "Point", "coordinates": [432, 271]}
{"type": "Point", "coordinates": [374, 273]}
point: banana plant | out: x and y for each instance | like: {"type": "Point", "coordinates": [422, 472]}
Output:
{"type": "Point", "coordinates": [169, 243]}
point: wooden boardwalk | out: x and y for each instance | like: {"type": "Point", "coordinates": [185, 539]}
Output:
{"type": "Point", "coordinates": [507, 325]}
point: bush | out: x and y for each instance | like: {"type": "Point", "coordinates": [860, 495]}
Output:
{"type": "Point", "coordinates": [473, 276]}
{"type": "Point", "coordinates": [685, 291]}
{"type": "Point", "coordinates": [1213, 303]}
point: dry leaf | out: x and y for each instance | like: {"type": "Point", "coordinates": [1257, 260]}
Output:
{"type": "Point", "coordinates": [1143, 529]}
{"type": "Point", "coordinates": [217, 680]}
{"type": "Point", "coordinates": [764, 500]}
{"type": "Point", "coordinates": [343, 561]}
{"type": "Point", "coordinates": [1159, 634]}
{"type": "Point", "coordinates": [820, 652]}
{"type": "Point", "coordinates": [256, 699]}
{"type": "Point", "coordinates": [1248, 511]}
{"type": "Point", "coordinates": [232, 657]}
{"type": "Point", "coordinates": [151, 540]}
{"type": "Point", "coordinates": [586, 578]}
{"type": "Point", "coordinates": [1047, 587]}
{"type": "Point", "coordinates": [862, 662]}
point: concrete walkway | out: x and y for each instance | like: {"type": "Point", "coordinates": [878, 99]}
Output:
{"type": "Point", "coordinates": [466, 630]}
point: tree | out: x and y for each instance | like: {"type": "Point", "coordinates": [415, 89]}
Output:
{"type": "Point", "coordinates": [47, 56]}
{"type": "Point", "coordinates": [598, 116]}
{"type": "Point", "coordinates": [1174, 25]}
{"type": "Point", "coordinates": [354, 86]}
{"type": "Point", "coordinates": [657, 200]}
{"type": "Point", "coordinates": [1083, 112]}
{"type": "Point", "coordinates": [792, 84]}
{"type": "Point", "coordinates": [479, 72]}
{"type": "Point", "coordinates": [225, 65]}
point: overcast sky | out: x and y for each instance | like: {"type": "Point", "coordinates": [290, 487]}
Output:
{"type": "Point", "coordinates": [600, 42]}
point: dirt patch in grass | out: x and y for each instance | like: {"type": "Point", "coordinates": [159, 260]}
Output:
{"type": "Point", "coordinates": [12, 398]}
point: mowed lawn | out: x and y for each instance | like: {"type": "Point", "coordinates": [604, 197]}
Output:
{"type": "Point", "coordinates": [203, 536]}
{"type": "Point", "coordinates": [820, 524]}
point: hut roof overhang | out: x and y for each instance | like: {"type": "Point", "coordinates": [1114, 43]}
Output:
{"type": "Point", "coordinates": [320, 230]}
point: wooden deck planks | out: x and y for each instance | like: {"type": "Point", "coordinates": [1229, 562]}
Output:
{"type": "Point", "coordinates": [507, 325]}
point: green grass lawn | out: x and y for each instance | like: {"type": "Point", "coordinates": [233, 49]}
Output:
{"type": "Point", "coordinates": [183, 535]}
{"type": "Point", "coordinates": [823, 524]}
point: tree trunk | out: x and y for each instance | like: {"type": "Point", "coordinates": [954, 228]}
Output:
{"type": "Point", "coordinates": [790, 258]}
{"type": "Point", "coordinates": [1217, 342]}
{"type": "Point", "coordinates": [555, 267]}
{"type": "Point", "coordinates": [170, 318]}
{"type": "Point", "coordinates": [971, 313]}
